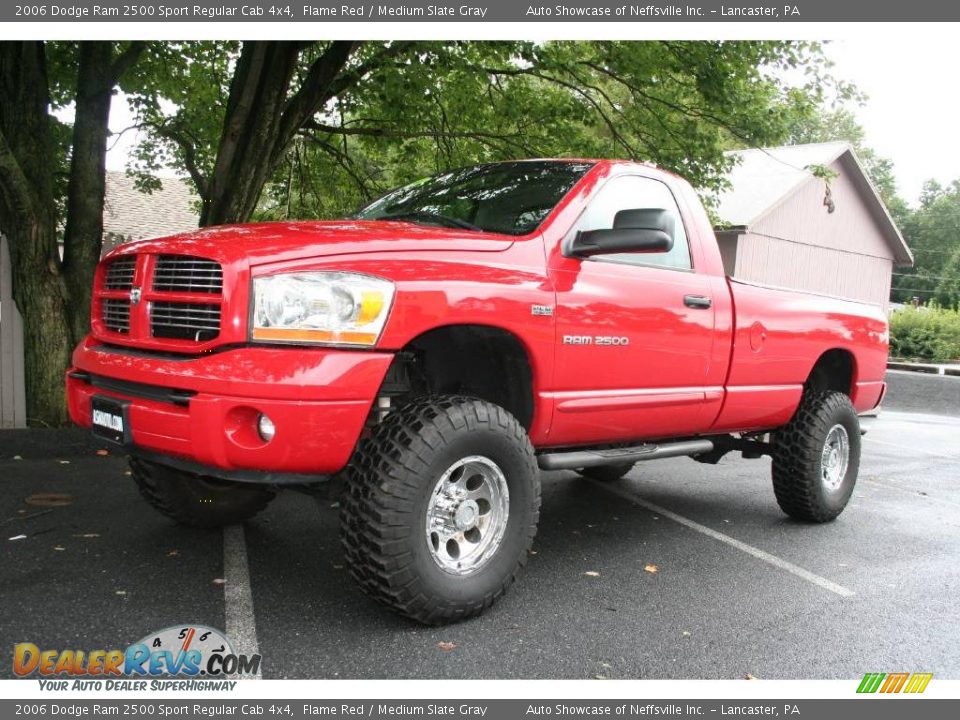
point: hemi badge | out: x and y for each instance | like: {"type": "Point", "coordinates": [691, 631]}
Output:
{"type": "Point", "coordinates": [541, 310]}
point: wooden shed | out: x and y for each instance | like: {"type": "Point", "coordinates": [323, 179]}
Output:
{"type": "Point", "coordinates": [784, 225]}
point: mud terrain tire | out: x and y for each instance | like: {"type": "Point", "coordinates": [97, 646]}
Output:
{"type": "Point", "coordinates": [394, 487]}
{"type": "Point", "coordinates": [816, 458]}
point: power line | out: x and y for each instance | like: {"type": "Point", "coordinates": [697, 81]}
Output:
{"type": "Point", "coordinates": [926, 277]}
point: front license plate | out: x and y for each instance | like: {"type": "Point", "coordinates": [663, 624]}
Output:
{"type": "Point", "coordinates": [110, 419]}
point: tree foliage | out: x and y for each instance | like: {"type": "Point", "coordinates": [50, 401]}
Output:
{"type": "Point", "coordinates": [388, 113]}
{"type": "Point", "coordinates": [933, 234]}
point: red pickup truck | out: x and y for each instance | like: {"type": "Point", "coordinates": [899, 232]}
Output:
{"type": "Point", "coordinates": [453, 337]}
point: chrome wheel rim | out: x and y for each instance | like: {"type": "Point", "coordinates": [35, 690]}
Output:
{"type": "Point", "coordinates": [467, 515]}
{"type": "Point", "coordinates": [835, 458]}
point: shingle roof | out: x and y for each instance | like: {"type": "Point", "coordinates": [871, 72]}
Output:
{"type": "Point", "coordinates": [765, 177]}
{"type": "Point", "coordinates": [130, 214]}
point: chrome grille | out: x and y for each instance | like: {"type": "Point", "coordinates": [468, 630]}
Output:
{"type": "Point", "coordinates": [120, 273]}
{"type": "Point", "coordinates": [116, 315]}
{"type": "Point", "coordinates": [184, 321]}
{"type": "Point", "coordinates": [183, 273]}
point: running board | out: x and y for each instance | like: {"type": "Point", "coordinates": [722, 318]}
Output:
{"type": "Point", "coordinates": [574, 459]}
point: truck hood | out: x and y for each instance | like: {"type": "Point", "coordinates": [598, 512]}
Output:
{"type": "Point", "coordinates": [261, 243]}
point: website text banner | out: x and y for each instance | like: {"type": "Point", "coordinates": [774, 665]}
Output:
{"type": "Point", "coordinates": [478, 11]}
{"type": "Point", "coordinates": [853, 709]}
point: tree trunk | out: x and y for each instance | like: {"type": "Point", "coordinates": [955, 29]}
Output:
{"type": "Point", "coordinates": [98, 73]}
{"type": "Point", "coordinates": [261, 121]}
{"type": "Point", "coordinates": [83, 235]}
{"type": "Point", "coordinates": [47, 342]}
{"type": "Point", "coordinates": [27, 218]}
{"type": "Point", "coordinates": [257, 95]}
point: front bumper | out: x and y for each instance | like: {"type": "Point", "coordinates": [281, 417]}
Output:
{"type": "Point", "coordinates": [204, 409]}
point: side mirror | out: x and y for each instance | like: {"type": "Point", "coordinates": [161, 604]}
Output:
{"type": "Point", "coordinates": [646, 230]}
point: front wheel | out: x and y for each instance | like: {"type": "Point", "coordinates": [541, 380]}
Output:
{"type": "Point", "coordinates": [197, 501]}
{"type": "Point", "coordinates": [441, 508]}
{"type": "Point", "coordinates": [816, 458]}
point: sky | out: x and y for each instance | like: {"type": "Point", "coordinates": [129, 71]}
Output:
{"type": "Point", "coordinates": [910, 115]}
{"type": "Point", "coordinates": [912, 109]}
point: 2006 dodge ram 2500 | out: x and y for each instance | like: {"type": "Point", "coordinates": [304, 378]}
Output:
{"type": "Point", "coordinates": [436, 348]}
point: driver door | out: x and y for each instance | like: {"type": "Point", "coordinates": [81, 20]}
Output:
{"type": "Point", "coordinates": [635, 331]}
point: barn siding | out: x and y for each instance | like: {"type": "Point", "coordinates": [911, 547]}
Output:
{"type": "Point", "coordinates": [800, 245]}
{"type": "Point", "coordinates": [774, 261]}
{"type": "Point", "coordinates": [804, 218]}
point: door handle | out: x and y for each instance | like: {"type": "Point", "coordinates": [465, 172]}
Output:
{"type": "Point", "coordinates": [700, 302]}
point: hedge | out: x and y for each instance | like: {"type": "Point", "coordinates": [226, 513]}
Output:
{"type": "Point", "coordinates": [925, 333]}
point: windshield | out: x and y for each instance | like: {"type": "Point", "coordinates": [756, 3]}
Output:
{"type": "Point", "coordinates": [511, 198]}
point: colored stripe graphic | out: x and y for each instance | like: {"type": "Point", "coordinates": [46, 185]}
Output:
{"type": "Point", "coordinates": [870, 682]}
{"type": "Point", "coordinates": [894, 682]}
{"type": "Point", "coordinates": [918, 682]}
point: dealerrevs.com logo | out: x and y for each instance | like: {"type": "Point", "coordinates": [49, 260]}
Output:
{"type": "Point", "coordinates": [183, 657]}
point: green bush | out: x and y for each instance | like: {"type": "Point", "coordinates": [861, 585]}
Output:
{"type": "Point", "coordinates": [925, 333]}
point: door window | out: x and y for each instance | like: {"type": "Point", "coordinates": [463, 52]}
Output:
{"type": "Point", "coordinates": [629, 192]}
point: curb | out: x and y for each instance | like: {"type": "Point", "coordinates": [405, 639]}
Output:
{"type": "Point", "coordinates": [928, 368]}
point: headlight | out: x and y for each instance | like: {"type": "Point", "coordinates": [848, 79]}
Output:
{"type": "Point", "coordinates": [320, 307]}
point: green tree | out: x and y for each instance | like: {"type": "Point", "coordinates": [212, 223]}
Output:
{"type": "Point", "coordinates": [933, 233]}
{"type": "Point", "coordinates": [324, 126]}
{"type": "Point", "coordinates": [948, 287]}
{"type": "Point", "coordinates": [226, 113]}
{"type": "Point", "coordinates": [53, 295]}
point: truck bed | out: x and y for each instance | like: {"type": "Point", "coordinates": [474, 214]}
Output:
{"type": "Point", "coordinates": [778, 334]}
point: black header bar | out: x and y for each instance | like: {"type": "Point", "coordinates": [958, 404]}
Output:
{"type": "Point", "coordinates": [477, 11]}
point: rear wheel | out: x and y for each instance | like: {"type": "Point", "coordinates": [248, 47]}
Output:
{"type": "Point", "coordinates": [606, 473]}
{"type": "Point", "coordinates": [197, 501]}
{"type": "Point", "coordinates": [816, 458]}
{"type": "Point", "coordinates": [441, 508]}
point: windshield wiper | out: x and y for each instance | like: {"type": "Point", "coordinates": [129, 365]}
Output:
{"type": "Point", "coordinates": [435, 217]}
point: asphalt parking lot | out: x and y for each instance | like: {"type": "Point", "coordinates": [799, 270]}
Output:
{"type": "Point", "coordinates": [738, 588]}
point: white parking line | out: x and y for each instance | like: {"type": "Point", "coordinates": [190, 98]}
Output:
{"type": "Point", "coordinates": [732, 542]}
{"type": "Point", "coordinates": [238, 597]}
